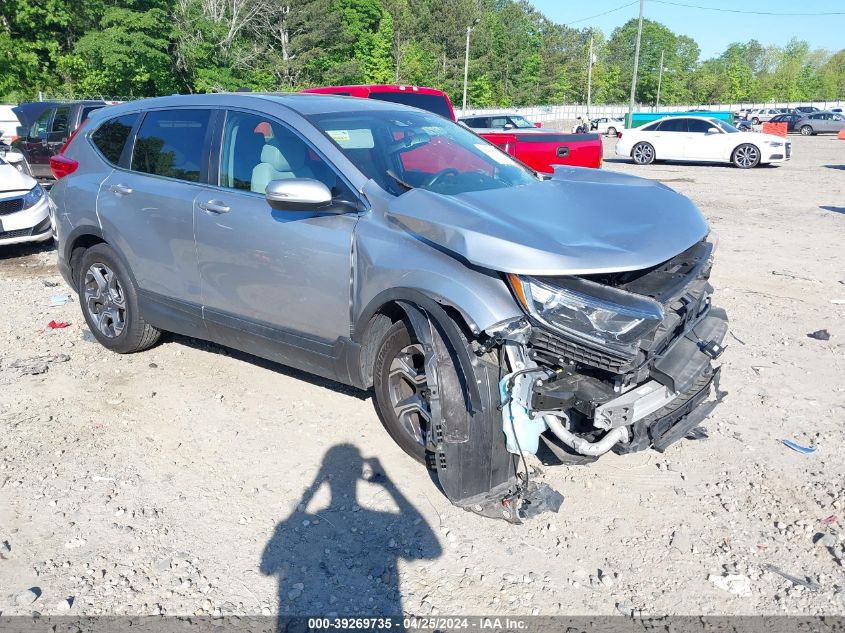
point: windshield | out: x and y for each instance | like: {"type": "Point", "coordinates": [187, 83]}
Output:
{"type": "Point", "coordinates": [404, 150]}
{"type": "Point", "coordinates": [725, 127]}
{"type": "Point", "coordinates": [520, 122]}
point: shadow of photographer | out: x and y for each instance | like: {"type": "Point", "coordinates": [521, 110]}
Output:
{"type": "Point", "coordinates": [342, 559]}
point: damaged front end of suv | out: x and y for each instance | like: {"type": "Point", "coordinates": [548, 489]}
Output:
{"type": "Point", "coordinates": [614, 361]}
{"type": "Point", "coordinates": [615, 345]}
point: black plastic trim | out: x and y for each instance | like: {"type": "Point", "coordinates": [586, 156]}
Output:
{"type": "Point", "coordinates": [434, 309]}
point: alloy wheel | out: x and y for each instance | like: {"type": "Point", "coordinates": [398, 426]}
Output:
{"type": "Point", "coordinates": [104, 300]}
{"type": "Point", "coordinates": [806, 130]}
{"type": "Point", "coordinates": [643, 153]}
{"type": "Point", "coordinates": [747, 156]}
{"type": "Point", "coordinates": [408, 391]}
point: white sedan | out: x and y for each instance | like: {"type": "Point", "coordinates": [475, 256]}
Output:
{"type": "Point", "coordinates": [24, 207]}
{"type": "Point", "coordinates": [701, 139]}
{"type": "Point", "coordinates": [606, 125]}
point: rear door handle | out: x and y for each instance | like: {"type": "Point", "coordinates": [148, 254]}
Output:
{"type": "Point", "coordinates": [120, 189]}
{"type": "Point", "coordinates": [214, 206]}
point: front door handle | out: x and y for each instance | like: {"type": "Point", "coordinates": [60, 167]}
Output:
{"type": "Point", "coordinates": [214, 206]}
{"type": "Point", "coordinates": [120, 189]}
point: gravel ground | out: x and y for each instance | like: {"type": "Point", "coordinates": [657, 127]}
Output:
{"type": "Point", "coordinates": [193, 479]}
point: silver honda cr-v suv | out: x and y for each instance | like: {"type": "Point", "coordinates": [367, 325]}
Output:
{"type": "Point", "coordinates": [493, 311]}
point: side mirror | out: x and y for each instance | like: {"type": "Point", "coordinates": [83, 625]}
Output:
{"type": "Point", "coordinates": [297, 194]}
{"type": "Point", "coordinates": [508, 126]}
{"type": "Point", "coordinates": [713, 130]}
{"type": "Point", "coordinates": [13, 158]}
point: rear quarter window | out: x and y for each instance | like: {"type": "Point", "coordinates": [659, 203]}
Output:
{"type": "Point", "coordinates": [110, 137]}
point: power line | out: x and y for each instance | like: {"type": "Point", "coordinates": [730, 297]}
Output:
{"type": "Point", "coordinates": [598, 15]}
{"type": "Point", "coordinates": [720, 10]}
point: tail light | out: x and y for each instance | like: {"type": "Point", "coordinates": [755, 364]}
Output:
{"type": "Point", "coordinates": [61, 165]}
{"type": "Point", "coordinates": [619, 135]}
{"type": "Point", "coordinates": [538, 124]}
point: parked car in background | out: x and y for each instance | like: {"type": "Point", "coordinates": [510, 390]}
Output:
{"type": "Point", "coordinates": [760, 115]}
{"type": "Point", "coordinates": [502, 121]}
{"type": "Point", "coordinates": [540, 149]}
{"type": "Point", "coordinates": [24, 207]}
{"type": "Point", "coordinates": [806, 109]}
{"type": "Point", "coordinates": [385, 247]}
{"type": "Point", "coordinates": [45, 126]}
{"type": "Point", "coordinates": [821, 123]}
{"type": "Point", "coordinates": [701, 139]}
{"type": "Point", "coordinates": [8, 124]}
{"type": "Point", "coordinates": [789, 118]}
{"type": "Point", "coordinates": [836, 110]}
{"type": "Point", "coordinates": [15, 158]}
{"type": "Point", "coordinates": [607, 125]}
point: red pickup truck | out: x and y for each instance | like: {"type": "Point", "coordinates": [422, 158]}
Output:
{"type": "Point", "coordinates": [540, 149]}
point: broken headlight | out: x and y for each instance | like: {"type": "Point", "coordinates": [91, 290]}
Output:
{"type": "Point", "coordinates": [587, 310]}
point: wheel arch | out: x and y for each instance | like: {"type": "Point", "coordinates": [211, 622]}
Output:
{"type": "Point", "coordinates": [80, 240]}
{"type": "Point", "coordinates": [396, 304]}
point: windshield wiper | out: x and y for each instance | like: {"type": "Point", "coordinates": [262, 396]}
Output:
{"type": "Point", "coordinates": [401, 182]}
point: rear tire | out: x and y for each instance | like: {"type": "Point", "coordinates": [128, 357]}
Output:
{"type": "Point", "coordinates": [755, 121]}
{"type": "Point", "coordinates": [807, 130]}
{"type": "Point", "coordinates": [643, 153]}
{"type": "Point", "coordinates": [109, 301]}
{"type": "Point", "coordinates": [746, 156]}
{"type": "Point", "coordinates": [611, 131]}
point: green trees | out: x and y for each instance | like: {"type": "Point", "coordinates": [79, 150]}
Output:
{"type": "Point", "coordinates": [133, 48]}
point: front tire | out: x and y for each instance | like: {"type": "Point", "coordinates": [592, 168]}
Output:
{"type": "Point", "coordinates": [746, 156]}
{"type": "Point", "coordinates": [643, 153]}
{"type": "Point", "coordinates": [109, 301]}
{"type": "Point", "coordinates": [807, 130]}
{"type": "Point", "coordinates": [400, 387]}
{"type": "Point", "coordinates": [471, 459]}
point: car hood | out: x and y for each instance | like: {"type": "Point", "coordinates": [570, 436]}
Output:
{"type": "Point", "coordinates": [580, 221]}
{"type": "Point", "coordinates": [11, 180]}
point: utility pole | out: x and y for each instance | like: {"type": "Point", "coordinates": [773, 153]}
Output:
{"type": "Point", "coordinates": [466, 64]}
{"type": "Point", "coordinates": [659, 80]}
{"type": "Point", "coordinates": [636, 67]}
{"type": "Point", "coordinates": [590, 78]}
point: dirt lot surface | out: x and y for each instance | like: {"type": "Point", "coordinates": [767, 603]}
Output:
{"type": "Point", "coordinates": [193, 479]}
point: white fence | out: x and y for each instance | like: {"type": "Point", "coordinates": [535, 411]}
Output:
{"type": "Point", "coordinates": [550, 113]}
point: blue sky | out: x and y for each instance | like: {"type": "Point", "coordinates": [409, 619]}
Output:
{"type": "Point", "coordinates": [714, 30]}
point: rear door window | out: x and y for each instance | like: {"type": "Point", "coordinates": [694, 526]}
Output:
{"type": "Point", "coordinates": [171, 143]}
{"type": "Point", "coordinates": [674, 125]}
{"type": "Point", "coordinates": [111, 136]}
